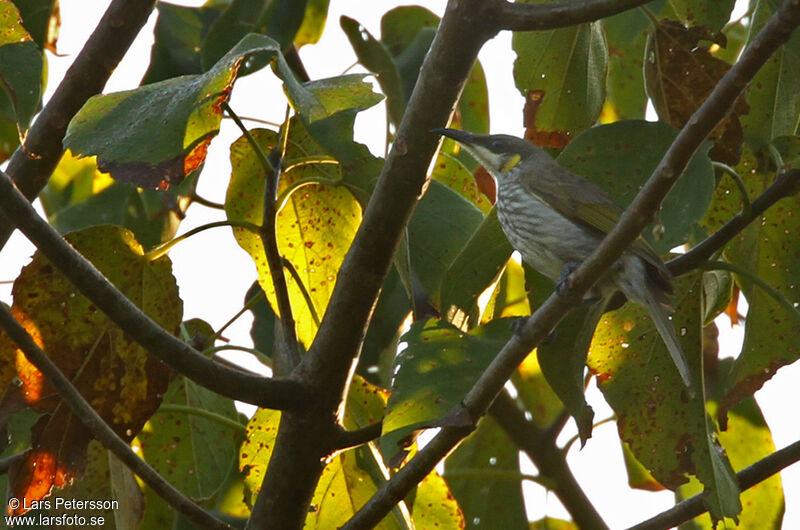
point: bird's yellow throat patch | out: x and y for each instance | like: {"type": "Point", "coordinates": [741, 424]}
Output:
{"type": "Point", "coordinates": [511, 163]}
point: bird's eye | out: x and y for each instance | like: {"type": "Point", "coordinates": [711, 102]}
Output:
{"type": "Point", "coordinates": [496, 146]}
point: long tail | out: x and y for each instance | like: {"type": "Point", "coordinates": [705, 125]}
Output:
{"type": "Point", "coordinates": [670, 338]}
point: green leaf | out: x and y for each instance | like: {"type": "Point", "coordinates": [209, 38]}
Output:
{"type": "Point", "coordinates": [20, 69]}
{"type": "Point", "coordinates": [484, 475]}
{"type": "Point", "coordinates": [769, 250]}
{"type": "Point", "coordinates": [278, 19]}
{"type": "Point", "coordinates": [78, 196]}
{"type": "Point", "coordinates": [256, 450]}
{"type": "Point", "coordinates": [626, 37]}
{"type": "Point", "coordinates": [41, 19]}
{"type": "Point", "coordinates": [477, 264]}
{"type": "Point", "coordinates": [473, 104]}
{"type": "Point", "coordinates": [434, 372]}
{"type": "Point", "coordinates": [374, 56]}
{"type": "Point", "coordinates": [711, 14]}
{"type": "Point", "coordinates": [313, 23]}
{"type": "Point", "coordinates": [562, 357]}
{"type": "Point", "coordinates": [314, 228]}
{"type": "Point", "coordinates": [746, 440]}
{"type": "Point", "coordinates": [442, 224]}
{"type": "Point", "coordinates": [620, 157]}
{"type": "Point", "coordinates": [638, 475]}
{"type": "Point", "coordinates": [772, 94]}
{"type": "Point", "coordinates": [179, 34]}
{"type": "Point", "coordinates": [669, 432]}
{"type": "Point", "coordinates": [434, 505]}
{"type": "Point", "coordinates": [21, 77]}
{"type": "Point", "coordinates": [263, 329]}
{"type": "Point", "coordinates": [192, 439]}
{"type": "Point", "coordinates": [789, 149]}
{"type": "Point", "coordinates": [157, 134]}
{"type": "Point", "coordinates": [561, 73]}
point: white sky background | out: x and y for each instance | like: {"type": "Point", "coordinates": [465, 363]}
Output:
{"type": "Point", "coordinates": [214, 273]}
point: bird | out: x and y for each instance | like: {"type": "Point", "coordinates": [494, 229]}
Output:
{"type": "Point", "coordinates": [556, 218]}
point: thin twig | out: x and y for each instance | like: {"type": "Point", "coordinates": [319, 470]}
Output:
{"type": "Point", "coordinates": [100, 429]}
{"type": "Point", "coordinates": [748, 477]}
{"type": "Point", "coordinates": [347, 439]}
{"type": "Point", "coordinates": [31, 166]}
{"type": "Point", "coordinates": [265, 392]}
{"type": "Point", "coordinates": [194, 197]}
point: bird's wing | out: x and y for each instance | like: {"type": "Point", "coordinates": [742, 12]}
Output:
{"type": "Point", "coordinates": [559, 188]}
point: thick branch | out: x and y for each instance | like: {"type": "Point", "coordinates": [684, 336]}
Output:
{"type": "Point", "coordinates": [294, 471]}
{"type": "Point", "coordinates": [633, 221]}
{"type": "Point", "coordinates": [785, 185]}
{"type": "Point", "coordinates": [269, 393]}
{"type": "Point", "coordinates": [748, 477]}
{"type": "Point", "coordinates": [31, 166]}
{"type": "Point", "coordinates": [100, 429]}
{"type": "Point", "coordinates": [528, 17]}
{"type": "Point", "coordinates": [549, 459]}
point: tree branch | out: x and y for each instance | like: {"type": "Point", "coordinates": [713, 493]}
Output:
{"type": "Point", "coordinates": [549, 459]}
{"type": "Point", "coordinates": [748, 477]}
{"type": "Point", "coordinates": [347, 439]}
{"type": "Point", "coordinates": [785, 185]}
{"type": "Point", "coordinates": [327, 366]}
{"type": "Point", "coordinates": [100, 429]}
{"type": "Point", "coordinates": [776, 31]}
{"type": "Point", "coordinates": [32, 164]}
{"type": "Point", "coordinates": [533, 17]}
{"type": "Point", "coordinates": [281, 394]}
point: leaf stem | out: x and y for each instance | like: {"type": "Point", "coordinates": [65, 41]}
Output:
{"type": "Point", "coordinates": [303, 290]}
{"type": "Point", "coordinates": [287, 192]}
{"type": "Point", "coordinates": [186, 409]}
{"type": "Point", "coordinates": [747, 208]}
{"type": "Point", "coordinates": [159, 250]}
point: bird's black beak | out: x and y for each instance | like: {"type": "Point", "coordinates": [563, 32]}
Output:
{"type": "Point", "coordinates": [459, 136]}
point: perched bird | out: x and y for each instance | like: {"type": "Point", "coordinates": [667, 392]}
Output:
{"type": "Point", "coordinates": [555, 218]}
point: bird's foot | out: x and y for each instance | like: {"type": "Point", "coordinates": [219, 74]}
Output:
{"type": "Point", "coordinates": [563, 286]}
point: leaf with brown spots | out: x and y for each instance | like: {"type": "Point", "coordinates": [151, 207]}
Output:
{"type": "Point", "coordinates": [669, 432]}
{"type": "Point", "coordinates": [680, 73]}
{"type": "Point", "coordinates": [746, 440]}
{"type": "Point", "coordinates": [770, 249]}
{"type": "Point", "coordinates": [115, 375]}
{"type": "Point", "coordinates": [314, 228]}
{"type": "Point", "coordinates": [157, 134]}
{"type": "Point", "coordinates": [193, 451]}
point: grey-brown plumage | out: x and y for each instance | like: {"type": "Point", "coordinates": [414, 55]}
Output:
{"type": "Point", "coordinates": [554, 217]}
